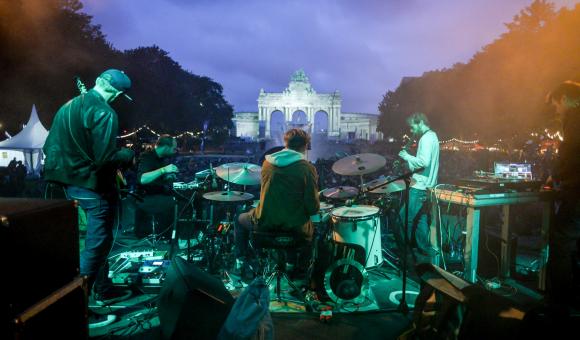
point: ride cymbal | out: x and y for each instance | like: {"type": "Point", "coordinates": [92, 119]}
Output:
{"type": "Point", "coordinates": [360, 164]}
{"type": "Point", "coordinates": [240, 173]}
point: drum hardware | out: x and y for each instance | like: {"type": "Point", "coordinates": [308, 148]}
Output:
{"type": "Point", "coordinates": [218, 232]}
{"type": "Point", "coordinates": [342, 192]}
{"type": "Point", "coordinates": [240, 173]}
{"type": "Point", "coordinates": [359, 224]}
{"type": "Point", "coordinates": [228, 196]}
{"type": "Point", "coordinates": [385, 185]}
{"type": "Point", "coordinates": [407, 179]}
{"type": "Point", "coordinates": [351, 284]}
{"type": "Point", "coordinates": [360, 164]}
{"type": "Point", "coordinates": [187, 186]}
{"type": "Point", "coordinates": [323, 213]}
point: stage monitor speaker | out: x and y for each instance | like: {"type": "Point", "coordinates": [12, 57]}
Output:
{"type": "Point", "coordinates": [449, 306]}
{"type": "Point", "coordinates": [192, 304]}
{"type": "Point", "coordinates": [40, 244]}
{"type": "Point", "coordinates": [61, 315]}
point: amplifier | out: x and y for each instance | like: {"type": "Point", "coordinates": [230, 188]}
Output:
{"type": "Point", "coordinates": [40, 240]}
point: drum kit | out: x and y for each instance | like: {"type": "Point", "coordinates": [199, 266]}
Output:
{"type": "Point", "coordinates": [348, 215]}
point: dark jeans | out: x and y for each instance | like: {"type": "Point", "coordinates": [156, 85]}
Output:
{"type": "Point", "coordinates": [100, 211]}
{"type": "Point", "coordinates": [418, 222]}
{"type": "Point", "coordinates": [243, 227]}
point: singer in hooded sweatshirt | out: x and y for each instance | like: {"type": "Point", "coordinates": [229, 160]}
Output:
{"type": "Point", "coordinates": [426, 166]}
{"type": "Point", "coordinates": [288, 196]}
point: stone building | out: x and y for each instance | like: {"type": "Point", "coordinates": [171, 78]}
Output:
{"type": "Point", "coordinates": [299, 105]}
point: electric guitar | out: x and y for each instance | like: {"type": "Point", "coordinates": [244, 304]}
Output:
{"type": "Point", "coordinates": [120, 181]}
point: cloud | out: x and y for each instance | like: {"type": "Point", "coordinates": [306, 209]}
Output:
{"type": "Point", "coordinates": [361, 48]}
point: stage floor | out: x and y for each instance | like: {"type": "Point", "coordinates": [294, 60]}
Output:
{"type": "Point", "coordinates": [375, 314]}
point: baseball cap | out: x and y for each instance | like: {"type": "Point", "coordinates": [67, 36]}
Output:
{"type": "Point", "coordinates": [118, 79]}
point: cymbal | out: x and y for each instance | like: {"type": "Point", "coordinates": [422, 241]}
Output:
{"type": "Point", "coordinates": [340, 192]}
{"type": "Point", "coordinates": [228, 196]}
{"type": "Point", "coordinates": [395, 186]}
{"type": "Point", "coordinates": [360, 164]}
{"type": "Point", "coordinates": [240, 173]}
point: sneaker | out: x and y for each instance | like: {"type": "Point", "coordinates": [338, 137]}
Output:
{"type": "Point", "coordinates": [100, 320]}
{"type": "Point", "coordinates": [112, 295]}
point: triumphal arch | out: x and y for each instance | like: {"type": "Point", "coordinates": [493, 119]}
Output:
{"type": "Point", "coordinates": [299, 104]}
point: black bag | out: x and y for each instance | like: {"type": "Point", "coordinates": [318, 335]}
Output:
{"type": "Point", "coordinates": [250, 316]}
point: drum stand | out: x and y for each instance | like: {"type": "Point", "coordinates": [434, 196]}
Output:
{"type": "Point", "coordinates": [217, 234]}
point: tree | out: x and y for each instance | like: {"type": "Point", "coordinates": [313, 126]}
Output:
{"type": "Point", "coordinates": [501, 90]}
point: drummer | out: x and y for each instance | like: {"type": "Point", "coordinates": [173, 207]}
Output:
{"type": "Point", "coordinates": [288, 197]}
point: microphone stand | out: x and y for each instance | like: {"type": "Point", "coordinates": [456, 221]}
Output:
{"type": "Point", "coordinates": [403, 307]}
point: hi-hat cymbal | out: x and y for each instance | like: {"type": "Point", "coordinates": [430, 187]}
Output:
{"type": "Point", "coordinates": [360, 164]}
{"type": "Point", "coordinates": [395, 186]}
{"type": "Point", "coordinates": [240, 173]}
{"type": "Point", "coordinates": [340, 192]}
{"type": "Point", "coordinates": [228, 196]}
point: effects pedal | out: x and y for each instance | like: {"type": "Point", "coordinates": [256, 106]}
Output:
{"type": "Point", "coordinates": [150, 266]}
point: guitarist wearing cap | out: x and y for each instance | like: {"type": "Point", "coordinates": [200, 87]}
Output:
{"type": "Point", "coordinates": [82, 156]}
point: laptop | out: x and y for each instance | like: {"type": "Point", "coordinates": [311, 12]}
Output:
{"type": "Point", "coordinates": [507, 170]}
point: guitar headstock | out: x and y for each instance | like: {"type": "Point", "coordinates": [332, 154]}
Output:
{"type": "Point", "coordinates": [80, 85]}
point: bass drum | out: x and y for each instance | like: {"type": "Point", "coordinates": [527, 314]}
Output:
{"type": "Point", "coordinates": [359, 224]}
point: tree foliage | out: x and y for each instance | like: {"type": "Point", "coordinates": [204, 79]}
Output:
{"type": "Point", "coordinates": [501, 90]}
{"type": "Point", "coordinates": [45, 43]}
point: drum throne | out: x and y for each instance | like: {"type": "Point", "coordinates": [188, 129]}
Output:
{"type": "Point", "coordinates": [272, 249]}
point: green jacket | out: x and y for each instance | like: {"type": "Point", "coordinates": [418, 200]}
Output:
{"type": "Point", "coordinates": [81, 146]}
{"type": "Point", "coordinates": [289, 193]}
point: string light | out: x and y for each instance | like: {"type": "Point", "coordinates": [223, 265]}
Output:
{"type": "Point", "coordinates": [460, 141]}
{"type": "Point", "coordinates": [194, 134]}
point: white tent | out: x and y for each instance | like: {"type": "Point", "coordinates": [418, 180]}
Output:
{"type": "Point", "coordinates": [30, 142]}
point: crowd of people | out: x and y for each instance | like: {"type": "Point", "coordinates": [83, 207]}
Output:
{"type": "Point", "coordinates": [12, 179]}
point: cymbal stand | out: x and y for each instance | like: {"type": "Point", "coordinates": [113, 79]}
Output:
{"type": "Point", "coordinates": [361, 192]}
{"type": "Point", "coordinates": [403, 307]}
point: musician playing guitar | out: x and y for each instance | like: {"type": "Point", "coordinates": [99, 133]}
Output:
{"type": "Point", "coordinates": [82, 156]}
{"type": "Point", "coordinates": [426, 165]}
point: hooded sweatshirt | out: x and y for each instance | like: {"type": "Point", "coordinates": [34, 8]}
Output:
{"type": "Point", "coordinates": [289, 194]}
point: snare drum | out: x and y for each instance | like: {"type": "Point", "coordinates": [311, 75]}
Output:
{"type": "Point", "coordinates": [359, 224]}
{"type": "Point", "coordinates": [323, 214]}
